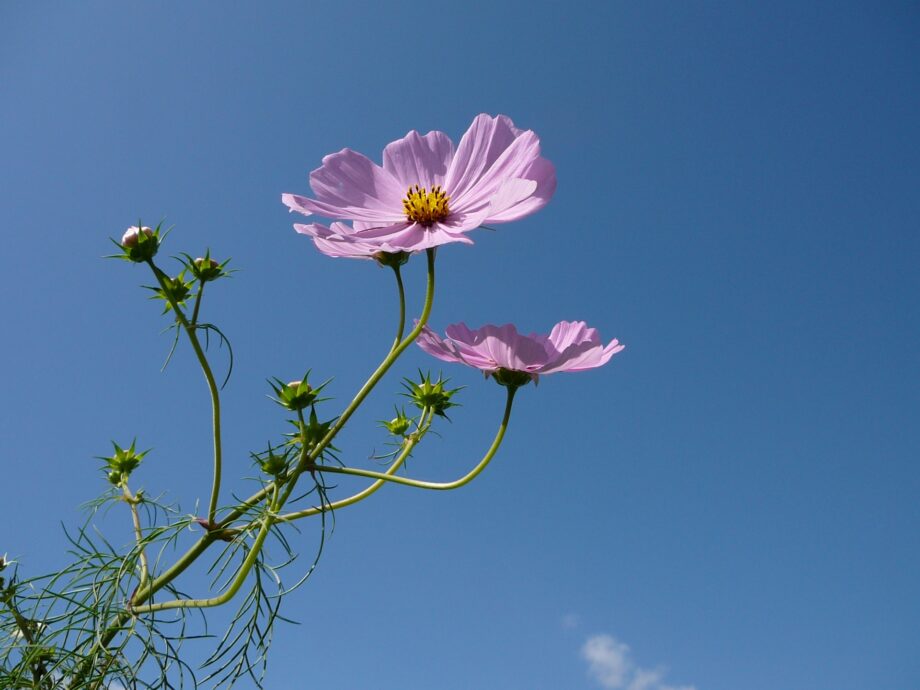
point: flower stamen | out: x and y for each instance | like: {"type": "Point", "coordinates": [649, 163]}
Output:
{"type": "Point", "coordinates": [424, 207]}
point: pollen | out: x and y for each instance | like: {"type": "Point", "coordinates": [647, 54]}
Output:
{"type": "Point", "coordinates": [424, 207]}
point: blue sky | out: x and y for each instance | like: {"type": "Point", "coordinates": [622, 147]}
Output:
{"type": "Point", "coordinates": [734, 497]}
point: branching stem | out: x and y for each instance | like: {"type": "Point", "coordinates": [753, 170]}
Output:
{"type": "Point", "coordinates": [437, 486]}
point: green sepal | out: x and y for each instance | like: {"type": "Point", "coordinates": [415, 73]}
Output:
{"type": "Point", "coordinates": [431, 394]}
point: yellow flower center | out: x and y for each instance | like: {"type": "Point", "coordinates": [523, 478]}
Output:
{"type": "Point", "coordinates": [424, 207]}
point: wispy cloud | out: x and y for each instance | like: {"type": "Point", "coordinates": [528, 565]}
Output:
{"type": "Point", "coordinates": [610, 663]}
{"type": "Point", "coordinates": [570, 621]}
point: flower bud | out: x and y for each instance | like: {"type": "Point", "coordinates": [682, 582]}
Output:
{"type": "Point", "coordinates": [314, 430]}
{"type": "Point", "coordinates": [399, 425]}
{"type": "Point", "coordinates": [430, 394]}
{"type": "Point", "coordinates": [295, 395]}
{"type": "Point", "coordinates": [172, 290]}
{"type": "Point", "coordinates": [275, 465]}
{"type": "Point", "coordinates": [130, 238]}
{"type": "Point", "coordinates": [122, 463]}
{"type": "Point", "coordinates": [207, 269]}
{"type": "Point", "coordinates": [140, 243]}
{"type": "Point", "coordinates": [298, 394]}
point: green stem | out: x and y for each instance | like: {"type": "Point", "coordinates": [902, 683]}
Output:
{"type": "Point", "coordinates": [231, 591]}
{"type": "Point", "coordinates": [437, 486]}
{"type": "Point", "coordinates": [132, 500]}
{"type": "Point", "coordinates": [209, 377]}
{"type": "Point", "coordinates": [410, 443]}
{"type": "Point", "coordinates": [385, 365]}
{"type": "Point", "coordinates": [402, 308]}
{"type": "Point", "coordinates": [189, 557]}
{"type": "Point", "coordinates": [358, 399]}
{"type": "Point", "coordinates": [197, 303]}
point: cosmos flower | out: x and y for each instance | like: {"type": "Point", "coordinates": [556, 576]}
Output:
{"type": "Point", "coordinates": [514, 358]}
{"type": "Point", "coordinates": [427, 193]}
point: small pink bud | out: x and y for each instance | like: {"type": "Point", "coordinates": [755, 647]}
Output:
{"type": "Point", "coordinates": [129, 239]}
{"type": "Point", "coordinates": [201, 262]}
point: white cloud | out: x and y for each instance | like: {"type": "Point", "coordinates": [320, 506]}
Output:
{"type": "Point", "coordinates": [610, 663]}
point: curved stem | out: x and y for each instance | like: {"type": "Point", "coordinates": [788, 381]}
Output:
{"type": "Point", "coordinates": [358, 399]}
{"type": "Point", "coordinates": [132, 500]}
{"type": "Point", "coordinates": [410, 443]}
{"type": "Point", "coordinates": [385, 365]}
{"type": "Point", "coordinates": [238, 580]}
{"type": "Point", "coordinates": [402, 308]}
{"type": "Point", "coordinates": [230, 592]}
{"type": "Point", "coordinates": [209, 377]}
{"type": "Point", "coordinates": [437, 486]}
{"type": "Point", "coordinates": [189, 557]}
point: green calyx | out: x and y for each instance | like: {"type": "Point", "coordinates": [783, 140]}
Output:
{"type": "Point", "coordinates": [139, 243]}
{"type": "Point", "coordinates": [174, 290]}
{"type": "Point", "coordinates": [511, 378]}
{"type": "Point", "coordinates": [296, 395]}
{"type": "Point", "coordinates": [122, 463]}
{"type": "Point", "coordinates": [313, 431]}
{"type": "Point", "coordinates": [273, 463]}
{"type": "Point", "coordinates": [399, 425]}
{"type": "Point", "coordinates": [392, 259]}
{"type": "Point", "coordinates": [205, 269]}
{"type": "Point", "coordinates": [431, 394]}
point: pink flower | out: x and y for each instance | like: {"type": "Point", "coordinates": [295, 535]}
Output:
{"type": "Point", "coordinates": [427, 193]}
{"type": "Point", "coordinates": [500, 350]}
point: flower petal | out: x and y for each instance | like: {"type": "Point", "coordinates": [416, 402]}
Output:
{"type": "Point", "coordinates": [339, 242]}
{"type": "Point", "coordinates": [542, 174]}
{"type": "Point", "coordinates": [349, 185]}
{"type": "Point", "coordinates": [419, 160]}
{"type": "Point", "coordinates": [491, 155]}
{"type": "Point", "coordinates": [431, 343]}
{"type": "Point", "coordinates": [577, 348]}
{"type": "Point", "coordinates": [414, 237]}
{"type": "Point", "coordinates": [584, 356]}
{"type": "Point", "coordinates": [481, 145]}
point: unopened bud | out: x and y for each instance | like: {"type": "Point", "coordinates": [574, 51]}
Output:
{"type": "Point", "coordinates": [207, 269]}
{"type": "Point", "coordinates": [130, 238]}
{"type": "Point", "coordinates": [202, 262]}
{"type": "Point", "coordinates": [140, 243]}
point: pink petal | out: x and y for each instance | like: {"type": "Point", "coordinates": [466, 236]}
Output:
{"type": "Point", "coordinates": [583, 357]}
{"type": "Point", "coordinates": [349, 185]}
{"type": "Point", "coordinates": [568, 333]}
{"type": "Point", "coordinates": [414, 237]}
{"type": "Point", "coordinates": [577, 348]}
{"type": "Point", "coordinates": [514, 161]}
{"type": "Point", "coordinates": [543, 174]}
{"type": "Point", "coordinates": [417, 159]}
{"type": "Point", "coordinates": [338, 241]}
{"type": "Point", "coordinates": [479, 148]}
{"type": "Point", "coordinates": [431, 343]}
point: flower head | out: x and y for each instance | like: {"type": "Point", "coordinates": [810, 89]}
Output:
{"type": "Point", "coordinates": [428, 193]}
{"type": "Point", "coordinates": [514, 359]}
{"type": "Point", "coordinates": [139, 243]}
